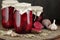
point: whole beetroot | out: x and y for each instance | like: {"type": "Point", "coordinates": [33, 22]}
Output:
{"type": "Point", "coordinates": [37, 27]}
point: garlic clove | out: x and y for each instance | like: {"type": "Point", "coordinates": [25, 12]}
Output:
{"type": "Point", "coordinates": [9, 32]}
{"type": "Point", "coordinates": [13, 34]}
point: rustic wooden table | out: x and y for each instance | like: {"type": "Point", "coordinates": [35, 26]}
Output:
{"type": "Point", "coordinates": [45, 34]}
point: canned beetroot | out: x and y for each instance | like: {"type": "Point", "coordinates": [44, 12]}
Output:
{"type": "Point", "coordinates": [7, 17]}
{"type": "Point", "coordinates": [7, 12]}
{"type": "Point", "coordinates": [23, 18]}
{"type": "Point", "coordinates": [22, 23]}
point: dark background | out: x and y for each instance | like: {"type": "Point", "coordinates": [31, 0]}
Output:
{"type": "Point", "coordinates": [51, 8]}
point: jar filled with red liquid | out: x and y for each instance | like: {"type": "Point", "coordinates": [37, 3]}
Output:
{"type": "Point", "coordinates": [37, 18]}
{"type": "Point", "coordinates": [7, 17]}
{"type": "Point", "coordinates": [7, 14]}
{"type": "Point", "coordinates": [23, 18]}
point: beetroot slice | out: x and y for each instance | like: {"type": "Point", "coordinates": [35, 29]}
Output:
{"type": "Point", "coordinates": [38, 25]}
{"type": "Point", "coordinates": [34, 30]}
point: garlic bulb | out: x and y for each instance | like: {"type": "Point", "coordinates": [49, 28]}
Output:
{"type": "Point", "coordinates": [46, 22]}
{"type": "Point", "coordinates": [53, 26]}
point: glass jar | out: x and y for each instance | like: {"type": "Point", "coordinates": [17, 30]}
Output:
{"type": "Point", "coordinates": [23, 18]}
{"type": "Point", "coordinates": [7, 14]}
